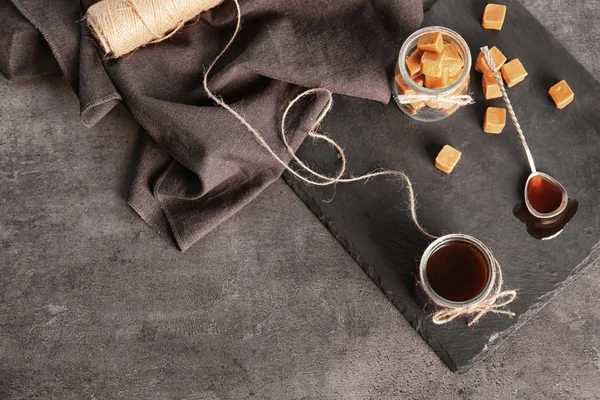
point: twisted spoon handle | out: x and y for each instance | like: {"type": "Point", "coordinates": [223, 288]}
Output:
{"type": "Point", "coordinates": [492, 64]}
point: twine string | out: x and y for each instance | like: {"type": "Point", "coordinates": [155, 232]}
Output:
{"type": "Point", "coordinates": [461, 99]}
{"type": "Point", "coordinates": [317, 178]}
{"type": "Point", "coordinates": [511, 111]}
{"type": "Point", "coordinates": [492, 303]}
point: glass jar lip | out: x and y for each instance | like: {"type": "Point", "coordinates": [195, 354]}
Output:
{"type": "Point", "coordinates": [433, 247]}
{"type": "Point", "coordinates": [412, 39]}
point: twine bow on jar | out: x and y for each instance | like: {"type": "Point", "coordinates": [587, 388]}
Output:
{"type": "Point", "coordinates": [492, 303]}
{"type": "Point", "coordinates": [491, 298]}
{"type": "Point", "coordinates": [459, 99]}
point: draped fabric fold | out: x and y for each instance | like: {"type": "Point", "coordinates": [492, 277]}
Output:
{"type": "Point", "coordinates": [197, 165]}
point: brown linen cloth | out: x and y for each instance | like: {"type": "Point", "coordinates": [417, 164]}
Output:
{"type": "Point", "coordinates": [198, 165]}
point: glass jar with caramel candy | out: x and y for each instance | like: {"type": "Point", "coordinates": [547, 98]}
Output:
{"type": "Point", "coordinates": [432, 61]}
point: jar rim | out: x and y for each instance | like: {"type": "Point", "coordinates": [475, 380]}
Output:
{"type": "Point", "coordinates": [441, 241]}
{"type": "Point", "coordinates": [409, 43]}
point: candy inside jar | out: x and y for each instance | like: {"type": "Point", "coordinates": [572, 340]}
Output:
{"type": "Point", "coordinates": [433, 62]}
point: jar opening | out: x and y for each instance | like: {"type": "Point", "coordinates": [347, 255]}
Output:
{"type": "Point", "coordinates": [456, 270]}
{"type": "Point", "coordinates": [449, 36]}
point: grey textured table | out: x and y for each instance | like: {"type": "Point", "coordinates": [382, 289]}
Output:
{"type": "Point", "coordinates": [267, 306]}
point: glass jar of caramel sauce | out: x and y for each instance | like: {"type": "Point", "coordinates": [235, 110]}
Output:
{"type": "Point", "coordinates": [456, 271]}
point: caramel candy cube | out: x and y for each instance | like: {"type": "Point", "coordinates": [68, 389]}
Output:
{"type": "Point", "coordinates": [437, 83]}
{"type": "Point", "coordinates": [494, 120]}
{"type": "Point", "coordinates": [416, 106]}
{"type": "Point", "coordinates": [447, 159]}
{"type": "Point", "coordinates": [491, 89]}
{"type": "Point", "coordinates": [413, 63]}
{"type": "Point", "coordinates": [454, 78]}
{"type": "Point", "coordinates": [432, 64]}
{"type": "Point", "coordinates": [513, 72]}
{"type": "Point", "coordinates": [432, 82]}
{"type": "Point", "coordinates": [493, 16]}
{"type": "Point", "coordinates": [434, 104]}
{"type": "Point", "coordinates": [403, 86]}
{"type": "Point", "coordinates": [482, 66]}
{"type": "Point", "coordinates": [420, 80]}
{"type": "Point", "coordinates": [461, 88]}
{"type": "Point", "coordinates": [562, 94]}
{"type": "Point", "coordinates": [452, 60]}
{"type": "Point", "coordinates": [433, 42]}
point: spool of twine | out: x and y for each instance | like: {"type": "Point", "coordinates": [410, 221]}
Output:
{"type": "Point", "coordinates": [121, 26]}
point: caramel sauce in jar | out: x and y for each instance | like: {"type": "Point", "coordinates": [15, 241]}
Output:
{"type": "Point", "coordinates": [455, 271]}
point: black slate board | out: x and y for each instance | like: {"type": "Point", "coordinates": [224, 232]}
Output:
{"type": "Point", "coordinates": [427, 4]}
{"type": "Point", "coordinates": [478, 197]}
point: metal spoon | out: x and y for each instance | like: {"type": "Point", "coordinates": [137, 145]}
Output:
{"type": "Point", "coordinates": [534, 171]}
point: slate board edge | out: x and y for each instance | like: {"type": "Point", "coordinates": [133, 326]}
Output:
{"type": "Point", "coordinates": [592, 260]}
